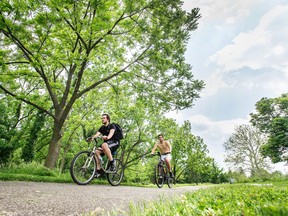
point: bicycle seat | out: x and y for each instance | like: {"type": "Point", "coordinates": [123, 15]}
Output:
{"type": "Point", "coordinates": [113, 152]}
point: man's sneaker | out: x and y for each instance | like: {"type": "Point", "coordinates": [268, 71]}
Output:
{"type": "Point", "coordinates": [112, 166]}
{"type": "Point", "coordinates": [102, 172]}
{"type": "Point", "coordinates": [171, 175]}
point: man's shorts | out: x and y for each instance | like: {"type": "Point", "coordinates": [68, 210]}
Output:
{"type": "Point", "coordinates": [113, 145]}
{"type": "Point", "coordinates": [168, 156]}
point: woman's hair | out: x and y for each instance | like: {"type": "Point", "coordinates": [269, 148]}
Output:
{"type": "Point", "coordinates": [107, 116]}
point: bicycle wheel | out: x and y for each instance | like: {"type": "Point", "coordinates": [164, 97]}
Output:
{"type": "Point", "coordinates": [115, 178]}
{"type": "Point", "coordinates": [159, 175]}
{"type": "Point", "coordinates": [170, 181]}
{"type": "Point", "coordinates": [83, 168]}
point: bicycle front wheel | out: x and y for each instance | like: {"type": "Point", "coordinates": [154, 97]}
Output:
{"type": "Point", "coordinates": [83, 168]}
{"type": "Point", "coordinates": [115, 177]}
{"type": "Point", "coordinates": [159, 176]}
{"type": "Point", "coordinates": [170, 181]}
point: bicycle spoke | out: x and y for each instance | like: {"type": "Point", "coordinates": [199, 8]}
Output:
{"type": "Point", "coordinates": [115, 177]}
{"type": "Point", "coordinates": [83, 168]}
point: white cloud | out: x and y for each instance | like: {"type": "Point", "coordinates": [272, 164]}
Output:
{"type": "Point", "coordinates": [225, 10]}
{"type": "Point", "coordinates": [214, 133]}
{"type": "Point", "coordinates": [265, 46]}
{"type": "Point", "coordinates": [214, 82]}
{"type": "Point", "coordinates": [241, 55]}
{"type": "Point", "coordinates": [223, 127]}
{"type": "Point", "coordinates": [262, 50]}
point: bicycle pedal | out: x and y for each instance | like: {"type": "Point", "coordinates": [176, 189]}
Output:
{"type": "Point", "coordinates": [109, 171]}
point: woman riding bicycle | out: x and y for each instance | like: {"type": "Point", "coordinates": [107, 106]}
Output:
{"type": "Point", "coordinates": [165, 150]}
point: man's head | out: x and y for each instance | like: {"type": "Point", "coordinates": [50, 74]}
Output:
{"type": "Point", "coordinates": [160, 137]}
{"type": "Point", "coordinates": [105, 119]}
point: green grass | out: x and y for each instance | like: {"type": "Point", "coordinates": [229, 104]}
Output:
{"type": "Point", "coordinates": [32, 172]}
{"type": "Point", "coordinates": [38, 173]}
{"type": "Point", "coordinates": [242, 199]}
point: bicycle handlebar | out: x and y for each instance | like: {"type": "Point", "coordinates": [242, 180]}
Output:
{"type": "Point", "coordinates": [89, 139]}
{"type": "Point", "coordinates": [156, 154]}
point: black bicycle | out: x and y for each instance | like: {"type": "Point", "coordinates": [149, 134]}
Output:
{"type": "Point", "coordinates": [162, 174]}
{"type": "Point", "coordinates": [84, 166]}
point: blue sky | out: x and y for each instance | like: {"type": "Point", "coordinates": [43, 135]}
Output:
{"type": "Point", "coordinates": [240, 50]}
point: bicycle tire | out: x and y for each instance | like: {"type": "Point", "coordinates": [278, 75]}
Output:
{"type": "Point", "coordinates": [159, 176]}
{"type": "Point", "coordinates": [83, 175]}
{"type": "Point", "coordinates": [170, 182]}
{"type": "Point", "coordinates": [115, 178]}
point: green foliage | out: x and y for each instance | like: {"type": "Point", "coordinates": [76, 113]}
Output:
{"type": "Point", "coordinates": [235, 200]}
{"type": "Point", "coordinates": [28, 151]}
{"type": "Point", "coordinates": [29, 169]}
{"type": "Point", "coordinates": [32, 172]}
{"type": "Point", "coordinates": [138, 174]}
{"type": "Point", "coordinates": [65, 50]}
{"type": "Point", "coordinates": [277, 145]}
{"type": "Point", "coordinates": [8, 122]}
{"type": "Point", "coordinates": [271, 117]}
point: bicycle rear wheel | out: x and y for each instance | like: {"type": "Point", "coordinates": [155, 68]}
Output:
{"type": "Point", "coordinates": [115, 177]}
{"type": "Point", "coordinates": [159, 175]}
{"type": "Point", "coordinates": [83, 168]}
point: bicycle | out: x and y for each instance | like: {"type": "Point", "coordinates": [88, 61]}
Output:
{"type": "Point", "coordinates": [84, 166]}
{"type": "Point", "coordinates": [161, 173]}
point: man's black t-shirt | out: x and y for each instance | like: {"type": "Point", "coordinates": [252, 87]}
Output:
{"type": "Point", "coordinates": [106, 130]}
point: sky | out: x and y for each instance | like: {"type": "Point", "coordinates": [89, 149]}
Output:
{"type": "Point", "coordinates": [240, 51]}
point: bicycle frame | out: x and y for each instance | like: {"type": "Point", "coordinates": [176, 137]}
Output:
{"type": "Point", "coordinates": [84, 167]}
{"type": "Point", "coordinates": [162, 174]}
{"type": "Point", "coordinates": [162, 163]}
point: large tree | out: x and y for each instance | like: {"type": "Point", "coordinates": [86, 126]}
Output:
{"type": "Point", "coordinates": [271, 118]}
{"type": "Point", "coordinates": [61, 50]}
{"type": "Point", "coordinates": [243, 150]}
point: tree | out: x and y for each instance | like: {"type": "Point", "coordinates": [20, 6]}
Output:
{"type": "Point", "coordinates": [271, 118]}
{"type": "Point", "coordinates": [243, 150]}
{"type": "Point", "coordinates": [8, 122]}
{"type": "Point", "coordinates": [28, 150]}
{"type": "Point", "coordinates": [277, 145]}
{"type": "Point", "coordinates": [60, 51]}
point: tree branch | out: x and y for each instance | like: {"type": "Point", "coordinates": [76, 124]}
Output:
{"type": "Point", "coordinates": [112, 75]}
{"type": "Point", "coordinates": [26, 101]}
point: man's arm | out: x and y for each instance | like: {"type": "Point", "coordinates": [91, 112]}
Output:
{"type": "Point", "coordinates": [96, 135]}
{"type": "Point", "coordinates": [154, 148]}
{"type": "Point", "coordinates": [169, 146]}
{"type": "Point", "coordinates": [110, 135]}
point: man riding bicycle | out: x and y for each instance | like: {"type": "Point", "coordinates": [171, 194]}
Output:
{"type": "Point", "coordinates": [165, 151]}
{"type": "Point", "coordinates": [111, 142]}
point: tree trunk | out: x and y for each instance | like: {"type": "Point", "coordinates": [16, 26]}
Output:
{"type": "Point", "coordinates": [54, 146]}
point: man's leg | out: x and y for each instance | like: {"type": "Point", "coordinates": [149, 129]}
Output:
{"type": "Point", "coordinates": [168, 164]}
{"type": "Point", "coordinates": [107, 152]}
{"type": "Point", "coordinates": [98, 153]}
{"type": "Point", "coordinates": [167, 161]}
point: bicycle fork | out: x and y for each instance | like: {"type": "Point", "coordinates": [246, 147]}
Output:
{"type": "Point", "coordinates": [90, 158]}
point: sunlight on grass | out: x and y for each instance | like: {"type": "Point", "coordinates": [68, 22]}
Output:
{"type": "Point", "coordinates": [221, 200]}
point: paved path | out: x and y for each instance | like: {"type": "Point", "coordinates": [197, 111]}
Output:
{"type": "Point", "coordinates": [38, 198]}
